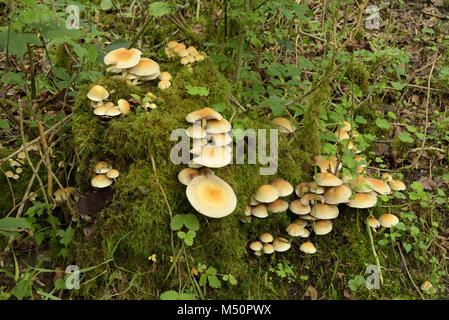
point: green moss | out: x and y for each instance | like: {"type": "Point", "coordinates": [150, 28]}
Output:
{"type": "Point", "coordinates": [357, 73]}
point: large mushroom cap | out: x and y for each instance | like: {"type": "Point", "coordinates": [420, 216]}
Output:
{"type": "Point", "coordinates": [186, 175]}
{"type": "Point", "coordinates": [123, 106]}
{"type": "Point", "coordinates": [337, 195]}
{"type": "Point", "coordinates": [326, 179]}
{"type": "Point", "coordinates": [296, 230]}
{"type": "Point", "coordinates": [278, 206]}
{"type": "Point", "coordinates": [123, 58]}
{"type": "Point", "coordinates": [284, 125]}
{"type": "Point", "coordinates": [298, 208]}
{"type": "Point", "coordinates": [266, 193]}
{"type": "Point", "coordinates": [218, 126]}
{"type": "Point", "coordinates": [388, 220]}
{"type": "Point", "coordinates": [205, 113]}
{"type": "Point", "coordinates": [362, 184]}
{"type": "Point", "coordinates": [322, 227]}
{"type": "Point", "coordinates": [281, 244]}
{"type": "Point", "coordinates": [214, 156]}
{"type": "Point", "coordinates": [211, 196]}
{"type": "Point", "coordinates": [379, 186]}
{"type": "Point", "coordinates": [259, 211]}
{"type": "Point", "coordinates": [283, 186]}
{"type": "Point", "coordinates": [363, 200]}
{"type": "Point", "coordinates": [396, 185]}
{"type": "Point", "coordinates": [145, 67]}
{"type": "Point", "coordinates": [324, 211]}
{"type": "Point", "coordinates": [101, 181]}
{"type": "Point", "coordinates": [307, 247]}
{"type": "Point", "coordinates": [98, 93]}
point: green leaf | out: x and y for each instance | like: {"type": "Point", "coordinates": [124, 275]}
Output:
{"type": "Point", "coordinates": [200, 91]}
{"type": "Point", "coordinates": [220, 107]}
{"type": "Point", "coordinates": [21, 289]}
{"type": "Point", "coordinates": [106, 5]}
{"type": "Point", "coordinates": [407, 247]}
{"type": "Point", "coordinates": [169, 295]}
{"type": "Point", "coordinates": [116, 44]}
{"type": "Point", "coordinates": [13, 224]}
{"type": "Point", "coordinates": [4, 124]}
{"type": "Point", "coordinates": [66, 236]}
{"type": "Point", "coordinates": [191, 222]}
{"type": "Point", "coordinates": [405, 137]}
{"type": "Point", "coordinates": [397, 85]}
{"type": "Point", "coordinates": [182, 234]}
{"type": "Point", "coordinates": [177, 222]}
{"type": "Point", "coordinates": [159, 9]}
{"type": "Point", "coordinates": [214, 282]}
{"type": "Point", "coordinates": [356, 282]}
{"type": "Point", "coordinates": [382, 123]}
{"type": "Point", "coordinates": [232, 280]}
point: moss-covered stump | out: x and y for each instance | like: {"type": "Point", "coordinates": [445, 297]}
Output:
{"type": "Point", "coordinates": [139, 209]}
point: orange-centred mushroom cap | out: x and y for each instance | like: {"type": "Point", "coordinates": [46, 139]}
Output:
{"type": "Point", "coordinates": [266, 193]}
{"type": "Point", "coordinates": [123, 58]}
{"type": "Point", "coordinates": [98, 93]}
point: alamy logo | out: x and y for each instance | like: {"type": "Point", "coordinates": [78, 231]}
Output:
{"type": "Point", "coordinates": [372, 282]}
{"type": "Point", "coordinates": [73, 20]}
{"type": "Point", "coordinates": [73, 280]}
{"type": "Point", "coordinates": [373, 20]}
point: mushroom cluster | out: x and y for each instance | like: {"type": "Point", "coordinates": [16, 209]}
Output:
{"type": "Point", "coordinates": [187, 56]}
{"type": "Point", "coordinates": [212, 139]}
{"type": "Point", "coordinates": [268, 245]}
{"type": "Point", "coordinates": [98, 96]}
{"type": "Point", "coordinates": [207, 193]}
{"type": "Point", "coordinates": [105, 175]}
{"type": "Point", "coordinates": [18, 162]}
{"type": "Point", "coordinates": [65, 194]}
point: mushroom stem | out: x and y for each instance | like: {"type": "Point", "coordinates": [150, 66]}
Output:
{"type": "Point", "coordinates": [374, 251]}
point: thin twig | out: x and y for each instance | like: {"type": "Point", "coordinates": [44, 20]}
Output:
{"type": "Point", "coordinates": [408, 272]}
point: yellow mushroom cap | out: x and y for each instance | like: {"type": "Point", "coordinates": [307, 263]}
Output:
{"type": "Point", "coordinates": [218, 126]}
{"type": "Point", "coordinates": [164, 84]}
{"type": "Point", "coordinates": [341, 135]}
{"type": "Point", "coordinates": [247, 210]}
{"type": "Point", "coordinates": [396, 185]}
{"type": "Point", "coordinates": [101, 181]}
{"type": "Point", "coordinates": [379, 186]}
{"type": "Point", "coordinates": [259, 211]}
{"type": "Point", "coordinates": [211, 196]}
{"type": "Point", "coordinates": [373, 222]}
{"type": "Point", "coordinates": [363, 200]}
{"type": "Point", "coordinates": [123, 58]}
{"type": "Point", "coordinates": [98, 93]}
{"type": "Point", "coordinates": [205, 113]}
{"type": "Point", "coordinates": [192, 51]}
{"type": "Point", "coordinates": [268, 248]}
{"type": "Point", "coordinates": [182, 53]}
{"type": "Point", "coordinates": [196, 132]}
{"type": "Point", "coordinates": [214, 156]}
{"type": "Point", "coordinates": [172, 44]}
{"type": "Point", "coordinates": [337, 195]}
{"type": "Point", "coordinates": [102, 167]}
{"type": "Point", "coordinates": [266, 193]}
{"type": "Point", "coordinates": [300, 222]}
{"type": "Point", "coordinates": [145, 67]}
{"type": "Point", "coordinates": [113, 173]}
{"type": "Point", "coordinates": [9, 174]}
{"type": "Point", "coordinates": [185, 176]}
{"type": "Point", "coordinates": [284, 187]}
{"type": "Point", "coordinates": [426, 285]}
{"type": "Point", "coordinates": [324, 211]}
{"type": "Point", "coordinates": [298, 208]}
{"type": "Point", "coordinates": [100, 110]}
{"type": "Point", "coordinates": [296, 230]}
{"type": "Point", "coordinates": [388, 220]}
{"type": "Point", "coordinates": [266, 237]}
{"type": "Point", "coordinates": [387, 177]}
{"type": "Point", "coordinates": [315, 188]}
{"type": "Point", "coordinates": [312, 198]}
{"type": "Point", "coordinates": [278, 206]}
{"type": "Point", "coordinates": [284, 125]}
{"type": "Point", "coordinates": [113, 112]}
{"type": "Point", "coordinates": [165, 76]}
{"type": "Point", "coordinates": [123, 106]}
{"type": "Point", "coordinates": [256, 245]}
{"type": "Point", "coordinates": [326, 179]}
{"type": "Point", "coordinates": [322, 227]}
{"type": "Point", "coordinates": [281, 244]}
{"type": "Point", "coordinates": [307, 247]}
{"type": "Point", "coordinates": [151, 76]}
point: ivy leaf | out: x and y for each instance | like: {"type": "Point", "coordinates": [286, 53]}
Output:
{"type": "Point", "coordinates": [200, 91]}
